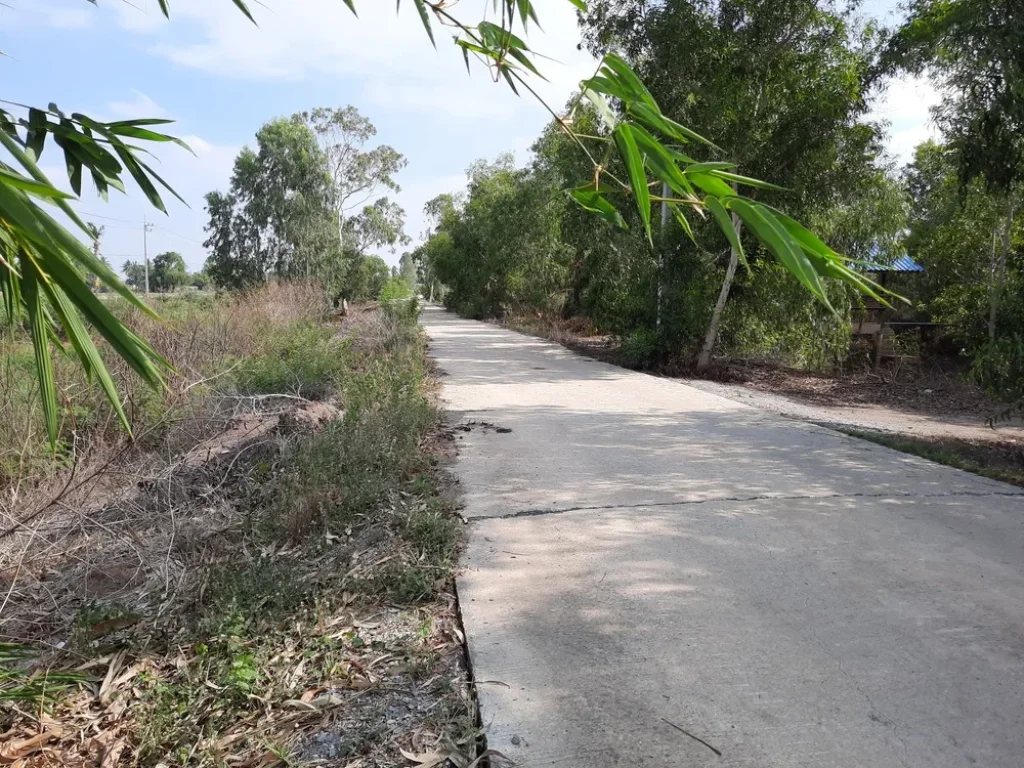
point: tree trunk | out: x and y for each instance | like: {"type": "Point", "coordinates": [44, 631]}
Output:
{"type": "Point", "coordinates": [704, 360]}
{"type": "Point", "coordinates": [661, 257]}
{"type": "Point", "coordinates": [998, 271]}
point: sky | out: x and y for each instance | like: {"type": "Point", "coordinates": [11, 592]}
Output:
{"type": "Point", "coordinates": [220, 78]}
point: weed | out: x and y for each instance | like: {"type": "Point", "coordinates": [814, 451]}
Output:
{"type": "Point", "coordinates": [993, 460]}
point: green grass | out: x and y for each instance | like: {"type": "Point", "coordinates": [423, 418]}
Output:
{"type": "Point", "coordinates": [998, 461]}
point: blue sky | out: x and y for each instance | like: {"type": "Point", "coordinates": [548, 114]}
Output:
{"type": "Point", "coordinates": [220, 78]}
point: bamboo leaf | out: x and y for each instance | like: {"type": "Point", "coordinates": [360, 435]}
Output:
{"type": "Point", "coordinates": [595, 202]}
{"type": "Point", "coordinates": [601, 104]}
{"type": "Point", "coordinates": [37, 188]}
{"type": "Point", "coordinates": [616, 68]}
{"type": "Point", "coordinates": [240, 4]}
{"type": "Point", "coordinates": [630, 155]}
{"type": "Point", "coordinates": [654, 119]}
{"type": "Point", "coordinates": [747, 180]}
{"type": "Point", "coordinates": [683, 221]}
{"type": "Point", "coordinates": [659, 161]}
{"type": "Point", "coordinates": [38, 326]}
{"type": "Point", "coordinates": [770, 232]}
{"type": "Point", "coordinates": [725, 223]}
{"type": "Point", "coordinates": [421, 7]}
{"type": "Point", "coordinates": [710, 184]}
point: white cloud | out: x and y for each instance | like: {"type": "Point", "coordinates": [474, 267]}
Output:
{"type": "Point", "coordinates": [390, 56]}
{"type": "Point", "coordinates": [905, 105]}
{"type": "Point", "coordinates": [140, 105]}
{"type": "Point", "coordinates": [58, 14]}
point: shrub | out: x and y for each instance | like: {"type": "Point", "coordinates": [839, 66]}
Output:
{"type": "Point", "coordinates": [398, 300]}
{"type": "Point", "coordinates": [999, 366]}
{"type": "Point", "coordinates": [303, 360]}
{"type": "Point", "coordinates": [641, 348]}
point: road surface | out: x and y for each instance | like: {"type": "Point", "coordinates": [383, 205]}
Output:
{"type": "Point", "coordinates": [657, 576]}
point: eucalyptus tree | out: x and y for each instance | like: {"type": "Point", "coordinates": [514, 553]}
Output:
{"type": "Point", "coordinates": [277, 216]}
{"type": "Point", "coordinates": [42, 264]}
{"type": "Point", "coordinates": [357, 174]}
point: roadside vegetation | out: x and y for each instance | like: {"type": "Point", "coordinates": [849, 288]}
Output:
{"type": "Point", "coordinates": [263, 577]}
{"type": "Point", "coordinates": [796, 114]}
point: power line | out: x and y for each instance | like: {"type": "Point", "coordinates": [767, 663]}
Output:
{"type": "Point", "coordinates": [175, 234]}
{"type": "Point", "coordinates": [108, 218]}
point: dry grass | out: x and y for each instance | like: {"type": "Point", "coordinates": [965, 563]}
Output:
{"type": "Point", "coordinates": [263, 581]}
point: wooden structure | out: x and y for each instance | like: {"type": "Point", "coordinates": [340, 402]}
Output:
{"type": "Point", "coordinates": [880, 322]}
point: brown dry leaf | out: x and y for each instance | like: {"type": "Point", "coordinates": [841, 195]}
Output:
{"type": "Point", "coordinates": [14, 752]}
{"type": "Point", "coordinates": [112, 754]}
{"type": "Point", "coordinates": [299, 704]}
{"type": "Point", "coordinates": [328, 701]}
{"type": "Point", "coordinates": [426, 760]}
{"type": "Point", "coordinates": [112, 669]}
{"type": "Point", "coordinates": [311, 694]}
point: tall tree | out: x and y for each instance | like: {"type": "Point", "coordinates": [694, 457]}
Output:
{"type": "Point", "coordinates": [407, 270]}
{"type": "Point", "coordinates": [781, 85]}
{"type": "Point", "coordinates": [278, 216]}
{"type": "Point", "coordinates": [975, 48]}
{"type": "Point", "coordinates": [357, 174]}
{"type": "Point", "coordinates": [954, 234]}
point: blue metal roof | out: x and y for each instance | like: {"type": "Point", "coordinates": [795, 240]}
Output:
{"type": "Point", "coordinates": [902, 264]}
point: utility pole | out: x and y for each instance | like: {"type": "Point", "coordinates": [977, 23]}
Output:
{"type": "Point", "coordinates": [146, 229]}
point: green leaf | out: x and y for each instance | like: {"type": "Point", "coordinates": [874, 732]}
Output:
{"type": "Point", "coordinates": [617, 69]}
{"type": "Point", "coordinates": [710, 184]}
{"type": "Point", "coordinates": [595, 202]}
{"type": "Point", "coordinates": [601, 104]}
{"type": "Point", "coordinates": [659, 161]}
{"type": "Point", "coordinates": [525, 61]}
{"type": "Point", "coordinates": [352, 7]}
{"type": "Point", "coordinates": [604, 85]}
{"type": "Point", "coordinates": [508, 79]}
{"type": "Point", "coordinates": [133, 167]}
{"type": "Point", "coordinates": [36, 188]}
{"type": "Point", "coordinates": [36, 135]}
{"type": "Point", "coordinates": [164, 8]}
{"type": "Point", "coordinates": [424, 17]}
{"type": "Point", "coordinates": [654, 119]}
{"type": "Point", "coordinates": [240, 4]}
{"type": "Point", "coordinates": [580, 5]}
{"type": "Point", "coordinates": [30, 165]}
{"type": "Point", "coordinates": [807, 239]}
{"type": "Point", "coordinates": [770, 232]}
{"type": "Point", "coordinates": [683, 221]}
{"type": "Point", "coordinates": [86, 350]}
{"type": "Point", "coordinates": [527, 12]}
{"type": "Point", "coordinates": [38, 325]}
{"type": "Point", "coordinates": [630, 155]}
{"type": "Point", "coordinates": [702, 167]}
{"type": "Point", "coordinates": [747, 181]}
{"type": "Point", "coordinates": [726, 224]}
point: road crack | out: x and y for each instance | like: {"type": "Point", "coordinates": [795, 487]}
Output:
{"type": "Point", "coordinates": [541, 511]}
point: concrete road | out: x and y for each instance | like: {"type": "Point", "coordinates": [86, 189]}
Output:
{"type": "Point", "coordinates": [657, 576]}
